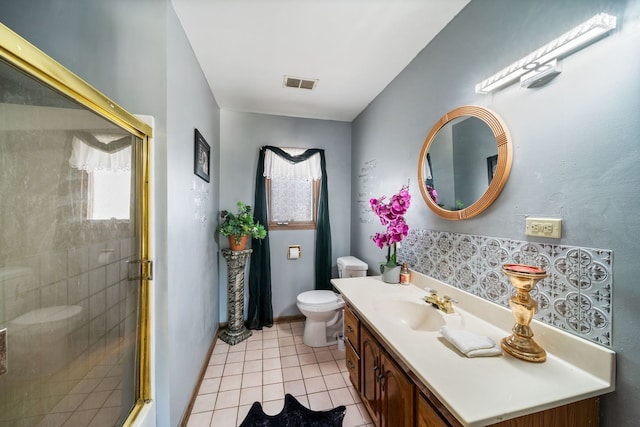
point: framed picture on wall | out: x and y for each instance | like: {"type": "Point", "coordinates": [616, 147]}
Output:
{"type": "Point", "coordinates": [202, 157]}
{"type": "Point", "coordinates": [492, 162]}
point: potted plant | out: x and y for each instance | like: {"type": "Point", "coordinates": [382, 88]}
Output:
{"type": "Point", "coordinates": [391, 214]}
{"type": "Point", "coordinates": [239, 226]}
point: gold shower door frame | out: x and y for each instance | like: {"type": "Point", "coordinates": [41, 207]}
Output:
{"type": "Point", "coordinates": [20, 53]}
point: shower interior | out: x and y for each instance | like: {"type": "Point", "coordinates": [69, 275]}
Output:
{"type": "Point", "coordinates": [67, 305]}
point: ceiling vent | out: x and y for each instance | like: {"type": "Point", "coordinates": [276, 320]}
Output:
{"type": "Point", "coordinates": [299, 83]}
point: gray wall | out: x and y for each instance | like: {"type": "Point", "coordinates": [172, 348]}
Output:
{"type": "Point", "coordinates": [192, 206]}
{"type": "Point", "coordinates": [241, 135]}
{"type": "Point", "coordinates": [136, 53]}
{"type": "Point", "coordinates": [575, 145]}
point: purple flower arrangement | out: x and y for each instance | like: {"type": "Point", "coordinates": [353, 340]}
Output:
{"type": "Point", "coordinates": [391, 214]}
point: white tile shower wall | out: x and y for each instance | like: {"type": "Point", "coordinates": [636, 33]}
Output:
{"type": "Point", "coordinates": [576, 297]}
{"type": "Point", "coordinates": [92, 276]}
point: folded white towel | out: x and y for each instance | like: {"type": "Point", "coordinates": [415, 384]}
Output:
{"type": "Point", "coordinates": [471, 344]}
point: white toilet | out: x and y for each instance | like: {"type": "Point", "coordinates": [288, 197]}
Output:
{"type": "Point", "coordinates": [323, 309]}
{"type": "Point", "coordinates": [350, 266]}
{"type": "Point", "coordinates": [41, 339]}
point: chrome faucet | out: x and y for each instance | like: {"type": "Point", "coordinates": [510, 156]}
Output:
{"type": "Point", "coordinates": [445, 303]}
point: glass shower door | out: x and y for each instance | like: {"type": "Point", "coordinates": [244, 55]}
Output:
{"type": "Point", "coordinates": [69, 231]}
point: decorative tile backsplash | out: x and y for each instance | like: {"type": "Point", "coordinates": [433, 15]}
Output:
{"type": "Point", "coordinates": [575, 297]}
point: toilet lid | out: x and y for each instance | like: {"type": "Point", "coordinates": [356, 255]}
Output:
{"type": "Point", "coordinates": [47, 314]}
{"type": "Point", "coordinates": [317, 297]}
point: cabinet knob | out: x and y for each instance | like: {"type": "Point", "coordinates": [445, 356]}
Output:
{"type": "Point", "coordinates": [349, 328]}
{"type": "Point", "coordinates": [350, 364]}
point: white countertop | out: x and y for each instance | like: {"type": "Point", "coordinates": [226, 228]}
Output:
{"type": "Point", "coordinates": [482, 390]}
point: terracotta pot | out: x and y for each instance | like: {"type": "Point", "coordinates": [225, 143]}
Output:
{"type": "Point", "coordinates": [240, 246]}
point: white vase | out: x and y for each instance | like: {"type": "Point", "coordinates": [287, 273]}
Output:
{"type": "Point", "coordinates": [390, 274]}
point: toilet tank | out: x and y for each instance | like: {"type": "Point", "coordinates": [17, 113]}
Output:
{"type": "Point", "coordinates": [350, 266]}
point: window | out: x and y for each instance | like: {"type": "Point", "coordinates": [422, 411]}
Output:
{"type": "Point", "coordinates": [108, 195]}
{"type": "Point", "coordinates": [293, 190]}
{"type": "Point", "coordinates": [105, 160]}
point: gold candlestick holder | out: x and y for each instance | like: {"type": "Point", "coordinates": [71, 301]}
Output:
{"type": "Point", "coordinates": [521, 344]}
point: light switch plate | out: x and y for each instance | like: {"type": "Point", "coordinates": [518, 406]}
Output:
{"type": "Point", "coordinates": [544, 227]}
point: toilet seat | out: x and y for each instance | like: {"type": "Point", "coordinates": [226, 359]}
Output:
{"type": "Point", "coordinates": [317, 297]}
{"type": "Point", "coordinates": [320, 301]}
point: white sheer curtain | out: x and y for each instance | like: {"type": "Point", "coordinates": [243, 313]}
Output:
{"type": "Point", "coordinates": [90, 159]}
{"type": "Point", "coordinates": [278, 167]}
{"type": "Point", "coordinates": [291, 185]}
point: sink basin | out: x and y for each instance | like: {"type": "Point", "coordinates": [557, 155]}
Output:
{"type": "Point", "coordinates": [416, 315]}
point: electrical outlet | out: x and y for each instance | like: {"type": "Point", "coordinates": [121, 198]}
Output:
{"type": "Point", "coordinates": [544, 227]}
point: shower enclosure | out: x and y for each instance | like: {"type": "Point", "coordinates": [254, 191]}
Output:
{"type": "Point", "coordinates": [73, 248]}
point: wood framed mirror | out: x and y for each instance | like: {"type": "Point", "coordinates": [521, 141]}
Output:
{"type": "Point", "coordinates": [464, 162]}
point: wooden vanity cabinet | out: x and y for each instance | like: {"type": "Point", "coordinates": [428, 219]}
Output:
{"type": "Point", "coordinates": [427, 415]}
{"type": "Point", "coordinates": [394, 397]}
{"type": "Point", "coordinates": [386, 391]}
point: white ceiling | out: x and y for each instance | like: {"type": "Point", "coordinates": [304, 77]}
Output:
{"type": "Point", "coordinates": [354, 47]}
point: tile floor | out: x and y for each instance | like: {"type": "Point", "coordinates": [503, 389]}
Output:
{"type": "Point", "coordinates": [263, 368]}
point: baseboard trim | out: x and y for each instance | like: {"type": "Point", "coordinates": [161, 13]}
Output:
{"type": "Point", "coordinates": [203, 370]}
{"type": "Point", "coordinates": [282, 319]}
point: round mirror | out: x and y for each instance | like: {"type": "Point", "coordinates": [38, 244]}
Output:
{"type": "Point", "coordinates": [464, 162]}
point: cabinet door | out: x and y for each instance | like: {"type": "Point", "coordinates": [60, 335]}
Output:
{"type": "Point", "coordinates": [426, 415]}
{"type": "Point", "coordinates": [397, 395]}
{"type": "Point", "coordinates": [370, 363]}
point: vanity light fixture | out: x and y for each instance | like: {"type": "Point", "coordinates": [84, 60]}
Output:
{"type": "Point", "coordinates": [564, 45]}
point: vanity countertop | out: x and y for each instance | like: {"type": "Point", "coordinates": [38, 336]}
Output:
{"type": "Point", "coordinates": [482, 390]}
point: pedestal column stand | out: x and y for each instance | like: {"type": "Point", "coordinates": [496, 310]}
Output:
{"type": "Point", "coordinates": [236, 331]}
{"type": "Point", "coordinates": [521, 343]}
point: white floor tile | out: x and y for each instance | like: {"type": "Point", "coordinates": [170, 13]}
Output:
{"type": "Point", "coordinates": [319, 401]}
{"type": "Point", "coordinates": [295, 388]}
{"type": "Point", "coordinates": [210, 385]}
{"type": "Point", "coordinates": [273, 407]}
{"type": "Point", "coordinates": [270, 363]}
{"type": "Point", "coordinates": [240, 347]}
{"type": "Point", "coordinates": [289, 361]}
{"type": "Point", "coordinates": [272, 376]}
{"type": "Point", "coordinates": [314, 385]}
{"type": "Point", "coordinates": [334, 381]}
{"type": "Point", "coordinates": [243, 410]}
{"type": "Point", "coordinates": [273, 363]}
{"type": "Point", "coordinates": [341, 396]}
{"type": "Point", "coordinates": [224, 417]}
{"type": "Point", "coordinates": [309, 371]}
{"type": "Point", "coordinates": [233, 368]}
{"type": "Point", "coordinates": [269, 353]}
{"type": "Point", "coordinates": [230, 382]}
{"type": "Point", "coordinates": [214, 371]}
{"type": "Point", "coordinates": [272, 392]}
{"type": "Point", "coordinates": [228, 399]}
{"type": "Point", "coordinates": [251, 380]}
{"type": "Point", "coordinates": [252, 366]}
{"type": "Point", "coordinates": [204, 403]}
{"type": "Point", "coordinates": [202, 419]}
{"type": "Point", "coordinates": [292, 373]}
{"type": "Point", "coordinates": [235, 357]}
{"type": "Point", "coordinates": [250, 395]}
